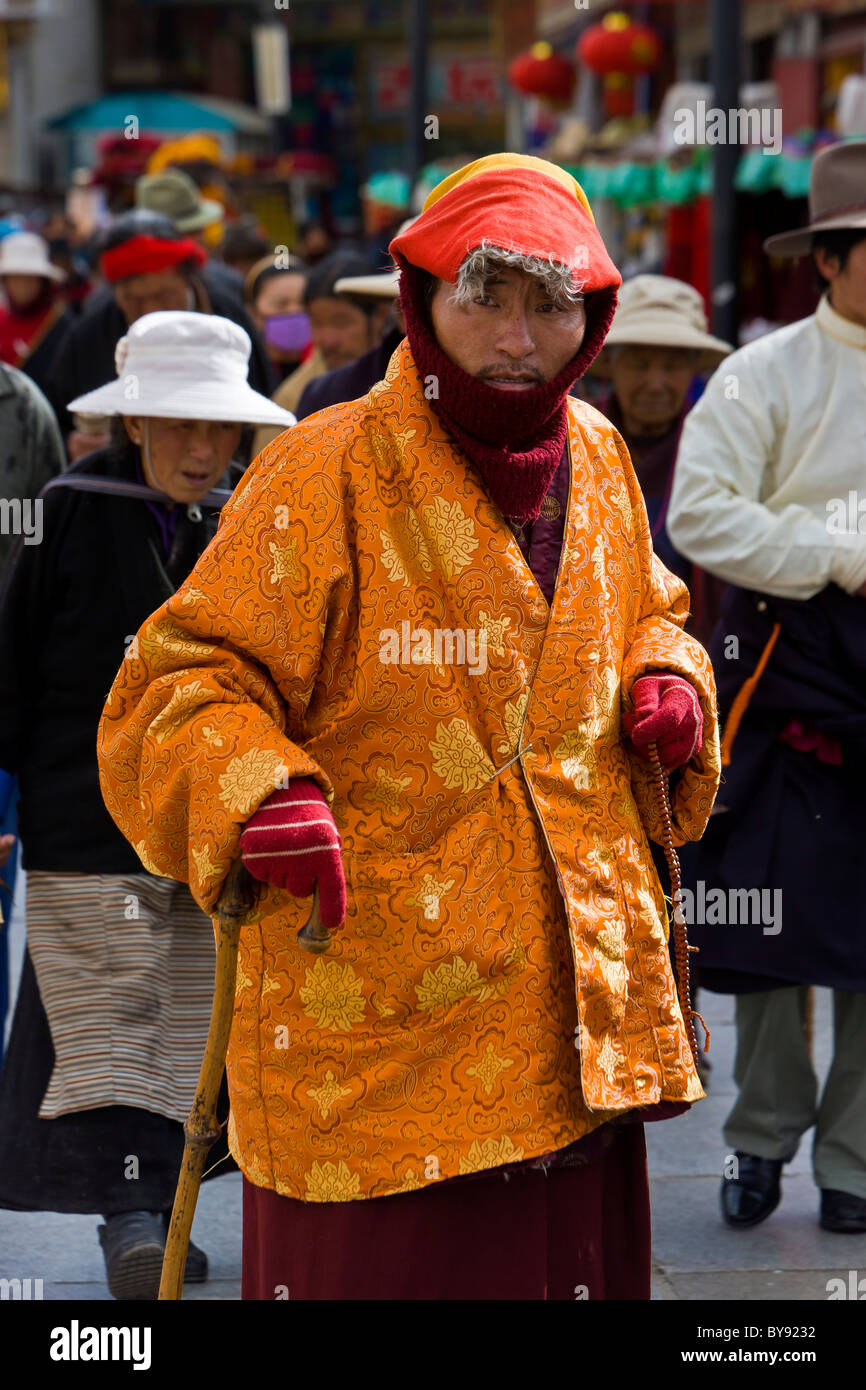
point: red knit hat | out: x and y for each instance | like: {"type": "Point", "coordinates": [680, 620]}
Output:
{"type": "Point", "coordinates": [142, 255]}
{"type": "Point", "coordinates": [516, 202]}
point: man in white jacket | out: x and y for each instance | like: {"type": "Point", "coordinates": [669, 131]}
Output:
{"type": "Point", "coordinates": [770, 495]}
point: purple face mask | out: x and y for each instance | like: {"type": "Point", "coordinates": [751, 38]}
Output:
{"type": "Point", "coordinates": [288, 332]}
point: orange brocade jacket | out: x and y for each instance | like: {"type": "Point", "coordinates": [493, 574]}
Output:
{"type": "Point", "coordinates": [502, 984]}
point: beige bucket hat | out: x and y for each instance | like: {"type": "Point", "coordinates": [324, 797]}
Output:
{"type": "Point", "coordinates": [837, 198]}
{"type": "Point", "coordinates": [657, 311]}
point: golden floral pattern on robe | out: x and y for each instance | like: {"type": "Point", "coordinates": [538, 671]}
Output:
{"type": "Point", "coordinates": [455, 979]}
{"type": "Point", "coordinates": [495, 632]}
{"type": "Point", "coordinates": [429, 895]}
{"type": "Point", "coordinates": [576, 752]}
{"type": "Point", "coordinates": [491, 1153]}
{"type": "Point", "coordinates": [284, 561]}
{"type": "Point", "coordinates": [184, 701]}
{"type": "Point", "coordinates": [333, 995]}
{"type": "Point", "coordinates": [515, 712]}
{"type": "Point", "coordinates": [405, 552]}
{"type": "Point", "coordinates": [458, 757]}
{"type": "Point", "coordinates": [449, 534]}
{"type": "Point", "coordinates": [489, 1069]}
{"type": "Point", "coordinates": [205, 866]}
{"type": "Point", "coordinates": [160, 645]}
{"type": "Point", "coordinates": [240, 784]}
{"type": "Point", "coordinates": [502, 900]}
{"type": "Point", "coordinates": [332, 1182]}
{"type": "Point", "coordinates": [388, 789]}
{"type": "Point", "coordinates": [329, 1094]}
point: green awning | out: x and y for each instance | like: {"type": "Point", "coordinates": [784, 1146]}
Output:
{"type": "Point", "coordinates": [162, 113]}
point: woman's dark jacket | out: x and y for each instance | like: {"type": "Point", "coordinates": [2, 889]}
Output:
{"type": "Point", "coordinates": [785, 822]}
{"type": "Point", "coordinates": [68, 608]}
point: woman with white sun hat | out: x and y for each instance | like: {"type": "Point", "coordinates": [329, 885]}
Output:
{"type": "Point", "coordinates": [114, 1004]}
{"type": "Point", "coordinates": [31, 314]}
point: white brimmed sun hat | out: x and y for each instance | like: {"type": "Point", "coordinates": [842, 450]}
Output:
{"type": "Point", "coordinates": [177, 365]}
{"type": "Point", "coordinates": [25, 253]}
{"type": "Point", "coordinates": [658, 311]}
{"type": "Point", "coordinates": [384, 286]}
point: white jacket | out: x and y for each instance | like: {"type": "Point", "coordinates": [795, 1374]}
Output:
{"type": "Point", "coordinates": [770, 457]}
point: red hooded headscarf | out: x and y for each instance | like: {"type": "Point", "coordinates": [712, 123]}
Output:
{"type": "Point", "coordinates": [527, 205]}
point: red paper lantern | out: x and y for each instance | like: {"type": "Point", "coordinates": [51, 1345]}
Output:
{"type": "Point", "coordinates": [619, 50]}
{"type": "Point", "coordinates": [542, 73]}
{"type": "Point", "coordinates": [619, 44]}
{"type": "Point", "coordinates": [618, 95]}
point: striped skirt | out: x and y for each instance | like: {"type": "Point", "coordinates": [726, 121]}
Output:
{"type": "Point", "coordinates": [125, 968]}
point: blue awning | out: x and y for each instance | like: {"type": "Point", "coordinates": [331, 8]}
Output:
{"type": "Point", "coordinates": [169, 112]}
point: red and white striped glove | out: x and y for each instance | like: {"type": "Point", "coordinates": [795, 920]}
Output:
{"type": "Point", "coordinates": [667, 712]}
{"type": "Point", "coordinates": [292, 841]}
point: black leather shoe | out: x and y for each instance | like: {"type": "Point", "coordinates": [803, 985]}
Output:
{"type": "Point", "coordinates": [842, 1211]}
{"type": "Point", "coordinates": [753, 1195]}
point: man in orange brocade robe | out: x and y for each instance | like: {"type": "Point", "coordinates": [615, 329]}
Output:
{"type": "Point", "coordinates": [402, 674]}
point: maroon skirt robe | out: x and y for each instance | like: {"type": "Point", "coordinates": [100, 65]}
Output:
{"type": "Point", "coordinates": [575, 1231]}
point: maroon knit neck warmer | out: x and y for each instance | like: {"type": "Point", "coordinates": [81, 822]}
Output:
{"type": "Point", "coordinates": [515, 439]}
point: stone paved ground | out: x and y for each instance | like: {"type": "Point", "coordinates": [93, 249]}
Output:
{"type": "Point", "coordinates": [696, 1255]}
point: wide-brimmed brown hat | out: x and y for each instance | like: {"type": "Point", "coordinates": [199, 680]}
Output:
{"type": "Point", "coordinates": [837, 198]}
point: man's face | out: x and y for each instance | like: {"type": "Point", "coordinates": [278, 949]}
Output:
{"type": "Point", "coordinates": [340, 330]}
{"type": "Point", "coordinates": [650, 384]}
{"type": "Point", "coordinates": [848, 286]}
{"type": "Point", "coordinates": [146, 294]}
{"type": "Point", "coordinates": [188, 457]}
{"type": "Point", "coordinates": [513, 335]}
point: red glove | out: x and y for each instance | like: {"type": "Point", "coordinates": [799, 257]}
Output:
{"type": "Point", "coordinates": [667, 712]}
{"type": "Point", "coordinates": [806, 740]}
{"type": "Point", "coordinates": [293, 842]}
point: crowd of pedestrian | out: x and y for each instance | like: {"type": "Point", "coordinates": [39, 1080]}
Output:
{"type": "Point", "coordinates": [232, 470]}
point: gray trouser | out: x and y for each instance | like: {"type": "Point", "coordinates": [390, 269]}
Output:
{"type": "Point", "coordinates": [778, 1089]}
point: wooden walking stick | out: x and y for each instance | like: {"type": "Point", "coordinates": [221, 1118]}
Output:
{"type": "Point", "coordinates": [678, 919]}
{"type": "Point", "coordinates": [236, 905]}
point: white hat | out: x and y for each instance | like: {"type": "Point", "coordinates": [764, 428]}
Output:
{"type": "Point", "coordinates": [176, 365]}
{"type": "Point", "coordinates": [658, 311]}
{"type": "Point", "coordinates": [25, 253]}
{"type": "Point", "coordinates": [384, 286]}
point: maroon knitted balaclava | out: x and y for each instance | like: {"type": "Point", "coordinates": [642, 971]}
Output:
{"type": "Point", "coordinates": [536, 209]}
{"type": "Point", "coordinates": [515, 439]}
